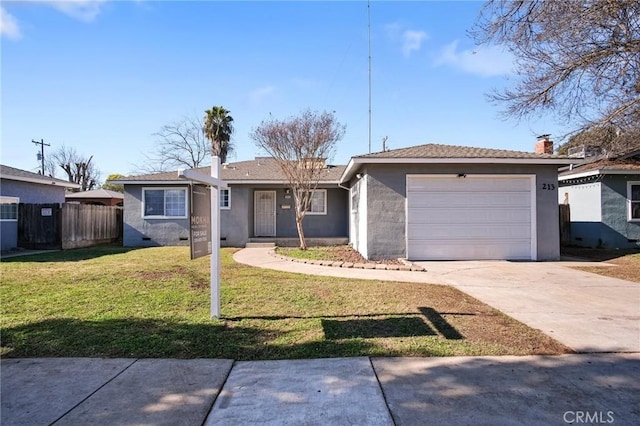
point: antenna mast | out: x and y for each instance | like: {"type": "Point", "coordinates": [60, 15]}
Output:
{"type": "Point", "coordinates": [369, 40]}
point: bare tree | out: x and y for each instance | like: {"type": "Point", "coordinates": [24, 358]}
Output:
{"type": "Point", "coordinates": [579, 59]}
{"type": "Point", "coordinates": [180, 144]}
{"type": "Point", "coordinates": [78, 168]}
{"type": "Point", "coordinates": [610, 140]}
{"type": "Point", "coordinates": [301, 146]}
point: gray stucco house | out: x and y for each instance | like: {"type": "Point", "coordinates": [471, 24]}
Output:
{"type": "Point", "coordinates": [442, 202]}
{"type": "Point", "coordinates": [604, 198]}
{"type": "Point", "coordinates": [258, 204]}
{"type": "Point", "coordinates": [20, 186]}
{"type": "Point", "coordinates": [425, 202]}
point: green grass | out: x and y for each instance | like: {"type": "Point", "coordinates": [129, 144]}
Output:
{"type": "Point", "coordinates": [312, 253]}
{"type": "Point", "coordinates": [154, 302]}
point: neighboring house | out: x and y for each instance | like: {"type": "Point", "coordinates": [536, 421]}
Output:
{"type": "Point", "coordinates": [258, 203]}
{"type": "Point", "coordinates": [604, 198]}
{"type": "Point", "coordinates": [103, 197]}
{"type": "Point", "coordinates": [20, 186]}
{"type": "Point", "coordinates": [442, 202]}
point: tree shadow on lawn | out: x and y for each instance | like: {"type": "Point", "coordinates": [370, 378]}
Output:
{"type": "Point", "coordinates": [72, 255]}
{"type": "Point", "coordinates": [405, 324]}
{"type": "Point", "coordinates": [596, 255]}
{"type": "Point", "coordinates": [239, 339]}
{"type": "Point", "coordinates": [141, 338]}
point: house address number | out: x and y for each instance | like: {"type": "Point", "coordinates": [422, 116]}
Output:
{"type": "Point", "coordinates": [548, 186]}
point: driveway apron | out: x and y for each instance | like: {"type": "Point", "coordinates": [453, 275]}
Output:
{"type": "Point", "coordinates": [585, 311]}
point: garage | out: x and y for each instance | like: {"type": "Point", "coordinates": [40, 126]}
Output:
{"type": "Point", "coordinates": [471, 217]}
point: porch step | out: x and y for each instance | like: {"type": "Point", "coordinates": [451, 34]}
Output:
{"type": "Point", "coordinates": [260, 245]}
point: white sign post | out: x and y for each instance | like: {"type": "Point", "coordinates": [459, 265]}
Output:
{"type": "Point", "coordinates": [216, 184]}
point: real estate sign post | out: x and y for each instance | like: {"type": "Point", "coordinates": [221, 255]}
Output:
{"type": "Point", "coordinates": [212, 242]}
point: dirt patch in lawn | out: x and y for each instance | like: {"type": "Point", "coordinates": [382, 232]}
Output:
{"type": "Point", "coordinates": [334, 253]}
{"type": "Point", "coordinates": [626, 263]}
{"type": "Point", "coordinates": [196, 279]}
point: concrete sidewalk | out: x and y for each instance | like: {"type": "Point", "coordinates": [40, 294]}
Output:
{"type": "Point", "coordinates": [340, 391]}
{"type": "Point", "coordinates": [589, 313]}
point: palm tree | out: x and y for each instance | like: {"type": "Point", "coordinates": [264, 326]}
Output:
{"type": "Point", "coordinates": [218, 127]}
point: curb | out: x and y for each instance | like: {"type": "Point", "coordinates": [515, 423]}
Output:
{"type": "Point", "coordinates": [405, 267]}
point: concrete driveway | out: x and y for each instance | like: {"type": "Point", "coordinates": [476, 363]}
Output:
{"type": "Point", "coordinates": [587, 312]}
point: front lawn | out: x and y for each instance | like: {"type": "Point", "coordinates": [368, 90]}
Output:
{"type": "Point", "coordinates": [154, 302]}
{"type": "Point", "coordinates": [626, 262]}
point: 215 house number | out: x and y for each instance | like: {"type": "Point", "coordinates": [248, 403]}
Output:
{"type": "Point", "coordinates": [548, 186]}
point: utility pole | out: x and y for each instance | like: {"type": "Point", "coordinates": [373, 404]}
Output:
{"type": "Point", "coordinates": [42, 145]}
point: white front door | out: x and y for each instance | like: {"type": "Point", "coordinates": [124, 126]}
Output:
{"type": "Point", "coordinates": [264, 208]}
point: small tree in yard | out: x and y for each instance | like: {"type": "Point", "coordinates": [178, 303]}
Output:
{"type": "Point", "coordinates": [301, 145]}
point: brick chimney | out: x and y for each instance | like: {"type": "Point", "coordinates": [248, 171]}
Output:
{"type": "Point", "coordinates": [544, 145]}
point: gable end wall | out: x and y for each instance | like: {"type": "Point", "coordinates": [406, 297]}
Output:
{"type": "Point", "coordinates": [386, 204]}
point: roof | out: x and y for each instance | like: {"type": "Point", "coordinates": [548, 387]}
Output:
{"type": "Point", "coordinates": [96, 193]}
{"type": "Point", "coordinates": [439, 151]}
{"type": "Point", "coordinates": [451, 154]}
{"type": "Point", "coordinates": [629, 163]}
{"type": "Point", "coordinates": [259, 170]}
{"type": "Point", "coordinates": [11, 173]}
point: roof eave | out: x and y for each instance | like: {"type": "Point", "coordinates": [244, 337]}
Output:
{"type": "Point", "coordinates": [42, 181]}
{"type": "Point", "coordinates": [228, 181]}
{"type": "Point", "coordinates": [354, 163]}
{"type": "Point", "coordinates": [596, 172]}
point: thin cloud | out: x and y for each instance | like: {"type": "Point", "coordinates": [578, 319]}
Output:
{"type": "Point", "coordinates": [259, 95]}
{"type": "Point", "coordinates": [485, 61]}
{"type": "Point", "coordinates": [393, 30]}
{"type": "Point", "coordinates": [412, 41]}
{"type": "Point", "coordinates": [83, 10]}
{"type": "Point", "coordinates": [9, 25]}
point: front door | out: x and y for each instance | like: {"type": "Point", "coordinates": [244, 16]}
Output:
{"type": "Point", "coordinates": [264, 207]}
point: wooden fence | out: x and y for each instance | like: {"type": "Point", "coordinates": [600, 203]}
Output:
{"type": "Point", "coordinates": [565, 224]}
{"type": "Point", "coordinates": [85, 225]}
{"type": "Point", "coordinates": [39, 226]}
{"type": "Point", "coordinates": [49, 226]}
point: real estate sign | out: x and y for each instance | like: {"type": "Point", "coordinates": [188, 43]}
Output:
{"type": "Point", "coordinates": [200, 221]}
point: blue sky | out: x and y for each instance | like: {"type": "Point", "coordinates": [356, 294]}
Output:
{"type": "Point", "coordinates": [104, 76]}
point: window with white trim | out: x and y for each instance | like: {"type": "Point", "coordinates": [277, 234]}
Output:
{"type": "Point", "coordinates": [318, 202]}
{"type": "Point", "coordinates": [9, 208]}
{"type": "Point", "coordinates": [163, 203]}
{"type": "Point", "coordinates": [633, 196]}
{"type": "Point", "coordinates": [225, 199]}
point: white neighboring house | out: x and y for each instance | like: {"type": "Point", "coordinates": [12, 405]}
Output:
{"type": "Point", "coordinates": [604, 197]}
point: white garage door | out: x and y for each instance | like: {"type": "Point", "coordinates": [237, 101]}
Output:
{"type": "Point", "coordinates": [473, 217]}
